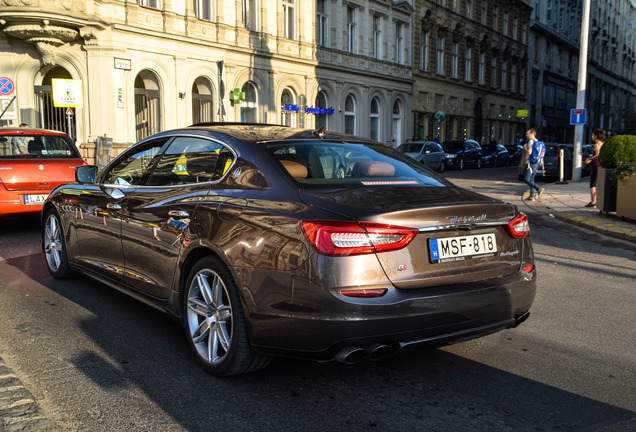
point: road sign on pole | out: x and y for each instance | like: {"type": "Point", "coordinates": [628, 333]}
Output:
{"type": "Point", "coordinates": [578, 116]}
{"type": "Point", "coordinates": [6, 86]}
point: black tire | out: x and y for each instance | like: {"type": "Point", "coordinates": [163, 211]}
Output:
{"type": "Point", "coordinates": [215, 323]}
{"type": "Point", "coordinates": [54, 246]}
{"type": "Point", "coordinates": [442, 166]}
{"type": "Point", "coordinates": [460, 165]}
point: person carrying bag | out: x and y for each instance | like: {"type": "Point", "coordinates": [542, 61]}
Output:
{"type": "Point", "coordinates": [535, 150]}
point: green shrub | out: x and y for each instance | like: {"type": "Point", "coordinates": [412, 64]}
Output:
{"type": "Point", "coordinates": [618, 150]}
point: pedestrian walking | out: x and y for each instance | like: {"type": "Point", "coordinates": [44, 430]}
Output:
{"type": "Point", "coordinates": [535, 150]}
{"type": "Point", "coordinates": [598, 137]}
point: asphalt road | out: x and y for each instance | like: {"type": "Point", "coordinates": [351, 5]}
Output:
{"type": "Point", "coordinates": [95, 360]}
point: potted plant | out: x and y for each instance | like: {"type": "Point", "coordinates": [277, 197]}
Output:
{"type": "Point", "coordinates": [624, 176]}
{"type": "Point", "coordinates": [617, 151]}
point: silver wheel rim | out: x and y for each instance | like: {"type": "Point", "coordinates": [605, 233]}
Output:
{"type": "Point", "coordinates": [53, 243]}
{"type": "Point", "coordinates": [209, 316]}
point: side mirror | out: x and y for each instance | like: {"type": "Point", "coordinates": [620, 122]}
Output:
{"type": "Point", "coordinates": [86, 174]}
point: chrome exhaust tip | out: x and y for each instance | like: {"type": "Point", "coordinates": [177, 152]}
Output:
{"type": "Point", "coordinates": [350, 355]}
{"type": "Point", "coordinates": [520, 318]}
{"type": "Point", "coordinates": [377, 351]}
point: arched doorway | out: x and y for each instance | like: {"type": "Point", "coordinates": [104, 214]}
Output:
{"type": "Point", "coordinates": [478, 114]}
{"type": "Point", "coordinates": [147, 104]}
{"type": "Point", "coordinates": [51, 117]}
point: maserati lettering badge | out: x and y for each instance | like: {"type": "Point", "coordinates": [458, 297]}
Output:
{"type": "Point", "coordinates": [466, 219]}
{"type": "Point", "coordinates": [401, 267]}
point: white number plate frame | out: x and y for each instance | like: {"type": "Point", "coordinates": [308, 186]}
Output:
{"type": "Point", "coordinates": [35, 199]}
{"type": "Point", "coordinates": [462, 248]}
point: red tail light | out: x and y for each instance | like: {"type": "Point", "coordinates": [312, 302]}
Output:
{"type": "Point", "coordinates": [337, 238]}
{"type": "Point", "coordinates": [518, 227]}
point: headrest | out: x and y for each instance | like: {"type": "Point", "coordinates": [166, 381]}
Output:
{"type": "Point", "coordinates": [373, 169]}
{"type": "Point", "coordinates": [295, 169]}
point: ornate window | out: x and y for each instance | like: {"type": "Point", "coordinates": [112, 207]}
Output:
{"type": "Point", "coordinates": [203, 9]}
{"type": "Point", "coordinates": [322, 23]}
{"type": "Point", "coordinates": [289, 19]}
{"type": "Point", "coordinates": [352, 30]}
{"type": "Point", "coordinates": [377, 37]}
{"type": "Point", "coordinates": [250, 14]}
{"type": "Point", "coordinates": [350, 115]}
{"type": "Point", "coordinates": [374, 122]}
{"type": "Point", "coordinates": [249, 106]}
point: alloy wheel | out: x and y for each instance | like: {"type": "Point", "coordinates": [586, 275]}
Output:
{"type": "Point", "coordinates": [53, 243]}
{"type": "Point", "coordinates": [209, 316]}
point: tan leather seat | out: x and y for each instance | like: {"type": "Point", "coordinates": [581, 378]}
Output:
{"type": "Point", "coordinates": [295, 169]}
{"type": "Point", "coordinates": [373, 169]}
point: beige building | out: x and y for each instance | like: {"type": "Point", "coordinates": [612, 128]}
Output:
{"type": "Point", "coordinates": [152, 65]}
{"type": "Point", "coordinates": [470, 63]}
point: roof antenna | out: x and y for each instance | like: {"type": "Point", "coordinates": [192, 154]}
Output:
{"type": "Point", "coordinates": [320, 133]}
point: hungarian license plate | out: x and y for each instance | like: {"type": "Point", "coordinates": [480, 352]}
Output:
{"type": "Point", "coordinates": [462, 248]}
{"type": "Point", "coordinates": [35, 199]}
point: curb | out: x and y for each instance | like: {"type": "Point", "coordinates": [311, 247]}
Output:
{"type": "Point", "coordinates": [19, 411]}
{"type": "Point", "coordinates": [599, 226]}
{"type": "Point", "coordinates": [606, 228]}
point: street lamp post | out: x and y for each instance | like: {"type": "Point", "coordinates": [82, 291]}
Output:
{"type": "Point", "coordinates": [581, 86]}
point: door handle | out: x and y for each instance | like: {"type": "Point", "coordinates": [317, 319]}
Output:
{"type": "Point", "coordinates": [178, 214]}
{"type": "Point", "coordinates": [113, 206]}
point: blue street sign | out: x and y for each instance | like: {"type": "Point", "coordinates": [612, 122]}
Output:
{"type": "Point", "coordinates": [578, 116]}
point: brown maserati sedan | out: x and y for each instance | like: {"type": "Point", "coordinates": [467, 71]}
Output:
{"type": "Point", "coordinates": [272, 241]}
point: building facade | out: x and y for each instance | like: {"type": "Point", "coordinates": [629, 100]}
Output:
{"type": "Point", "coordinates": [611, 79]}
{"type": "Point", "coordinates": [555, 32]}
{"type": "Point", "coordinates": [152, 65]}
{"type": "Point", "coordinates": [469, 69]}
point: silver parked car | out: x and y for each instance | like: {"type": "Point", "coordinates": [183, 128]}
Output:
{"type": "Point", "coordinates": [429, 153]}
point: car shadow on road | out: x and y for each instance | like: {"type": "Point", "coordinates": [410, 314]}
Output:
{"type": "Point", "coordinates": [138, 355]}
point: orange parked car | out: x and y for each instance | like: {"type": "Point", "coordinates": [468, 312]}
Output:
{"type": "Point", "coordinates": [32, 163]}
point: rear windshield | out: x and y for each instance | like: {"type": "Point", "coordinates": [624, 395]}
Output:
{"type": "Point", "coordinates": [36, 146]}
{"type": "Point", "coordinates": [410, 147]}
{"type": "Point", "coordinates": [341, 164]}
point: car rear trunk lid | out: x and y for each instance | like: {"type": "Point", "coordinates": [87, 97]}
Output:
{"type": "Point", "coordinates": [448, 219]}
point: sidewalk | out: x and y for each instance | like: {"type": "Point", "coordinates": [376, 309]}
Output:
{"type": "Point", "coordinates": [567, 202]}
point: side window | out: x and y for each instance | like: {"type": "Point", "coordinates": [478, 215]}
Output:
{"type": "Point", "coordinates": [190, 160]}
{"type": "Point", "coordinates": [131, 169]}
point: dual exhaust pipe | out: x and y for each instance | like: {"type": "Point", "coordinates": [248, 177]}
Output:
{"type": "Point", "coordinates": [352, 355]}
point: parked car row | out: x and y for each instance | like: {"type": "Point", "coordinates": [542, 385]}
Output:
{"type": "Point", "coordinates": [460, 154]}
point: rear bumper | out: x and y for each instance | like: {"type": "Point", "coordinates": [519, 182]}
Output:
{"type": "Point", "coordinates": [399, 319]}
{"type": "Point", "coordinates": [12, 201]}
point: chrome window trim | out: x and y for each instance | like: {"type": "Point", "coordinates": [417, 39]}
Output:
{"type": "Point", "coordinates": [170, 138]}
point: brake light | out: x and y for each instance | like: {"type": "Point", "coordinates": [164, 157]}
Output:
{"type": "Point", "coordinates": [335, 238]}
{"type": "Point", "coordinates": [518, 227]}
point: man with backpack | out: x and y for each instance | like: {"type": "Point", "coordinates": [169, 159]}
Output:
{"type": "Point", "coordinates": [535, 150]}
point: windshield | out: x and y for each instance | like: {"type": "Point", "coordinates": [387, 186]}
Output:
{"type": "Point", "coordinates": [410, 147]}
{"type": "Point", "coordinates": [342, 164]}
{"type": "Point", "coordinates": [29, 146]}
{"type": "Point", "coordinates": [452, 146]}
{"type": "Point", "coordinates": [489, 148]}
